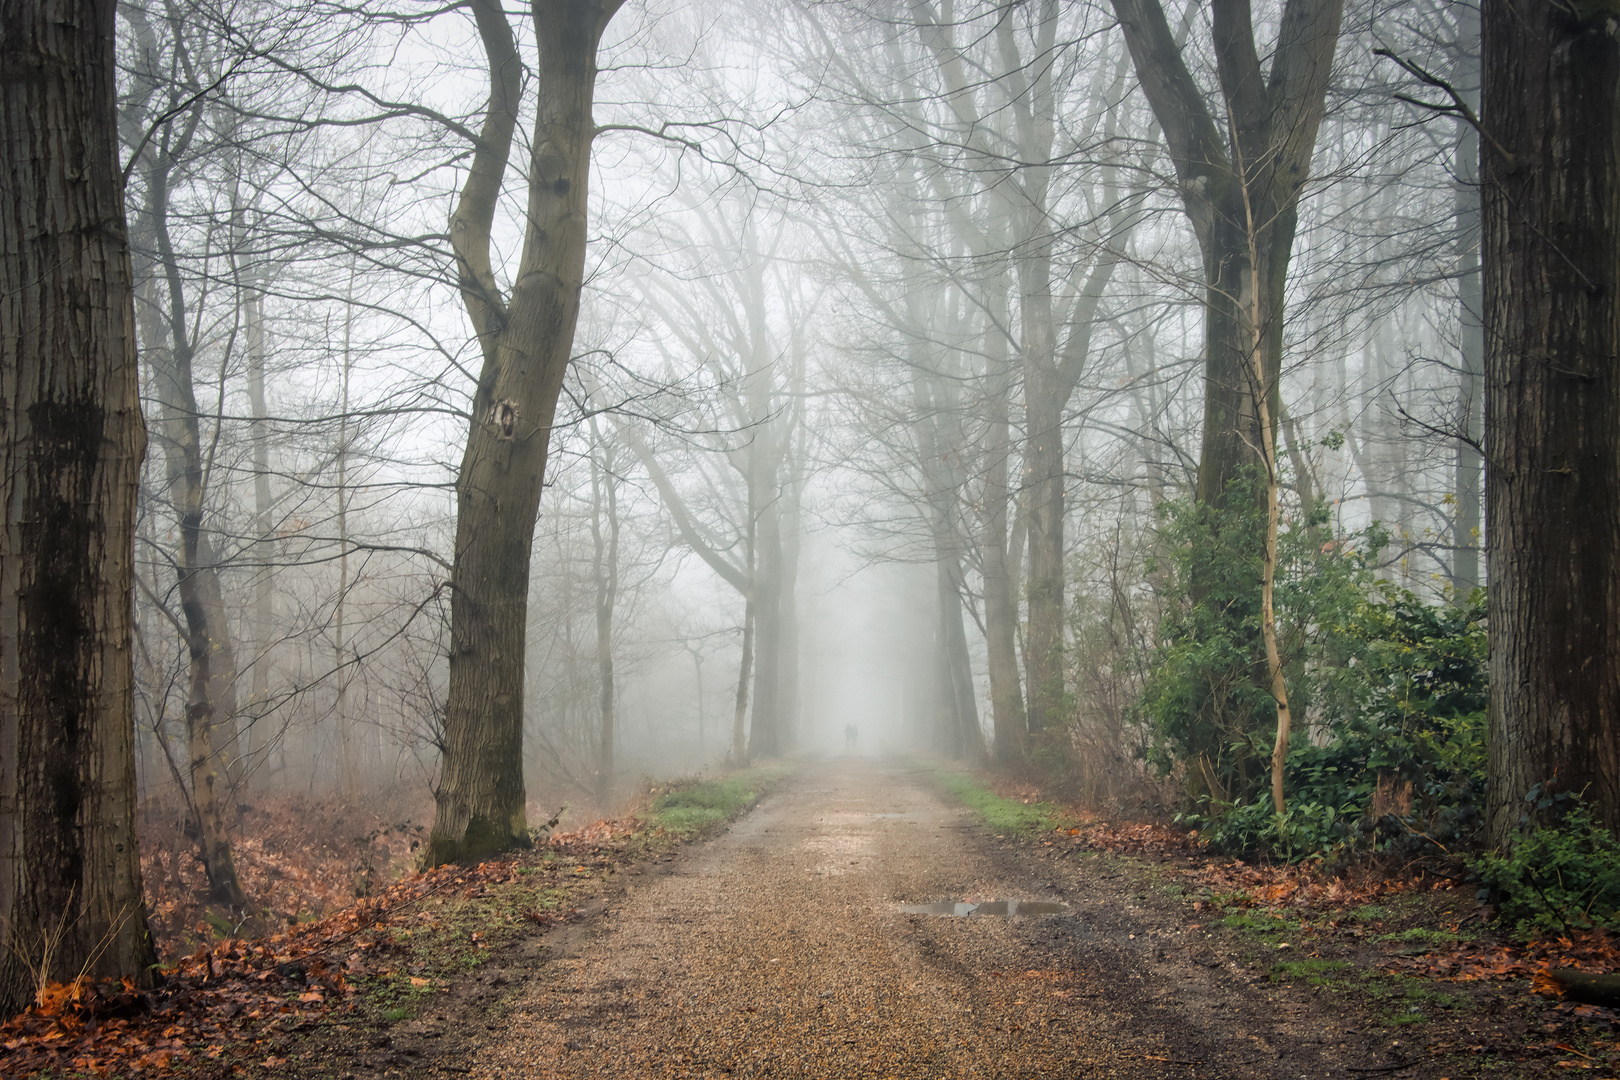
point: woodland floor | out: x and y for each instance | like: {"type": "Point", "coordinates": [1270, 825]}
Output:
{"type": "Point", "coordinates": [777, 947]}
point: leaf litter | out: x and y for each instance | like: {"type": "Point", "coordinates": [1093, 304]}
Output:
{"type": "Point", "coordinates": [237, 1000]}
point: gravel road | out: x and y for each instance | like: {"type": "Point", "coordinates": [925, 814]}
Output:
{"type": "Point", "coordinates": [779, 949]}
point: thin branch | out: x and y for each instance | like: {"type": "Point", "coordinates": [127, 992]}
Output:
{"type": "Point", "coordinates": [169, 114]}
{"type": "Point", "coordinates": [1459, 107]}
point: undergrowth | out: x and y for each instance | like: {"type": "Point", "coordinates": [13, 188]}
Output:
{"type": "Point", "coordinates": [1558, 876]}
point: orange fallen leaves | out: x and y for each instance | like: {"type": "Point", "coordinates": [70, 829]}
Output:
{"type": "Point", "coordinates": [222, 995]}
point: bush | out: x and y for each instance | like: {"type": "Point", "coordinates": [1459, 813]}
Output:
{"type": "Point", "coordinates": [1561, 877]}
{"type": "Point", "coordinates": [1388, 692]}
{"type": "Point", "coordinates": [1205, 696]}
{"type": "Point", "coordinates": [1306, 830]}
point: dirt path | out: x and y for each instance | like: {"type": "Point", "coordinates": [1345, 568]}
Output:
{"type": "Point", "coordinates": [779, 949]}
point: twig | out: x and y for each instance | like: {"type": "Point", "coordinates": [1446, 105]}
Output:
{"type": "Point", "coordinates": [1458, 107]}
{"type": "Point", "coordinates": [1386, 1068]}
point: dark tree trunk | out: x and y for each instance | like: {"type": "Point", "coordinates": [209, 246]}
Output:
{"type": "Point", "coordinates": [526, 339]}
{"type": "Point", "coordinates": [1240, 179]}
{"type": "Point", "coordinates": [1552, 403]}
{"type": "Point", "coordinates": [72, 437]}
{"type": "Point", "coordinates": [1240, 176]}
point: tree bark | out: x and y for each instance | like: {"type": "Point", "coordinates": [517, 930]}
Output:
{"type": "Point", "coordinates": [1551, 186]}
{"type": "Point", "coordinates": [72, 437]}
{"type": "Point", "coordinates": [526, 339]}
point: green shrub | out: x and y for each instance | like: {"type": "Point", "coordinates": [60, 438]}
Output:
{"type": "Point", "coordinates": [1559, 877]}
{"type": "Point", "coordinates": [1388, 691]}
{"type": "Point", "coordinates": [1306, 830]}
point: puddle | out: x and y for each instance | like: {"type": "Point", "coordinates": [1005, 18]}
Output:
{"type": "Point", "coordinates": [988, 907]}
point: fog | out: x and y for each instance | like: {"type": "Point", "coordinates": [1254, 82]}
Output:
{"type": "Point", "coordinates": [892, 352]}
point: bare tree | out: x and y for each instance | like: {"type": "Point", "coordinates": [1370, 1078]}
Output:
{"type": "Point", "coordinates": [526, 335]}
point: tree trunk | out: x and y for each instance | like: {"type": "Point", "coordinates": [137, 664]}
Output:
{"type": "Point", "coordinates": [739, 716]}
{"type": "Point", "coordinates": [1010, 723]}
{"type": "Point", "coordinates": [765, 734]}
{"type": "Point", "coordinates": [345, 726]}
{"type": "Point", "coordinates": [263, 617]}
{"type": "Point", "coordinates": [962, 706]}
{"type": "Point", "coordinates": [1552, 404]}
{"type": "Point", "coordinates": [787, 613]}
{"type": "Point", "coordinates": [1255, 171]}
{"type": "Point", "coordinates": [72, 437]}
{"type": "Point", "coordinates": [1470, 465]}
{"type": "Point", "coordinates": [1000, 599]}
{"type": "Point", "coordinates": [1240, 179]}
{"type": "Point", "coordinates": [605, 569]}
{"type": "Point", "coordinates": [210, 727]}
{"type": "Point", "coordinates": [1043, 494]}
{"type": "Point", "coordinates": [1231, 439]}
{"type": "Point", "coordinates": [526, 343]}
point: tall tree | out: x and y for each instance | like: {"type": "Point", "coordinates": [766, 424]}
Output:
{"type": "Point", "coordinates": [1551, 184]}
{"type": "Point", "coordinates": [1241, 193]}
{"type": "Point", "coordinates": [72, 437]}
{"type": "Point", "coordinates": [168, 343]}
{"type": "Point", "coordinates": [526, 334]}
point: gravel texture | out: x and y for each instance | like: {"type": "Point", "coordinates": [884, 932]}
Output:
{"type": "Point", "coordinates": [778, 949]}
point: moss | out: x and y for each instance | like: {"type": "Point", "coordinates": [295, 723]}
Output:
{"type": "Point", "coordinates": [1420, 935]}
{"type": "Point", "coordinates": [483, 839]}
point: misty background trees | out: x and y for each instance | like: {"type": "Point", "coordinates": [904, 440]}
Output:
{"type": "Point", "coordinates": [543, 398]}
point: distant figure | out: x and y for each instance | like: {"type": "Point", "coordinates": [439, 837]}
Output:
{"type": "Point", "coordinates": [850, 734]}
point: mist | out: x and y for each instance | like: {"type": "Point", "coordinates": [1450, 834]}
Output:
{"type": "Point", "coordinates": [901, 335]}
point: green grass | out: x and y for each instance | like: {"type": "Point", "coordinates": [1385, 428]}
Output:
{"type": "Point", "coordinates": [1268, 928]}
{"type": "Point", "coordinates": [694, 807]}
{"type": "Point", "coordinates": [1313, 971]}
{"type": "Point", "coordinates": [1420, 935]}
{"type": "Point", "coordinates": [1000, 814]}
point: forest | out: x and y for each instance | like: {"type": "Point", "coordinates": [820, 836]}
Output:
{"type": "Point", "coordinates": [421, 417]}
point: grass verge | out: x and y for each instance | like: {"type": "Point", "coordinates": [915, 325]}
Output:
{"type": "Point", "coordinates": [691, 807]}
{"type": "Point", "coordinates": [1001, 814]}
